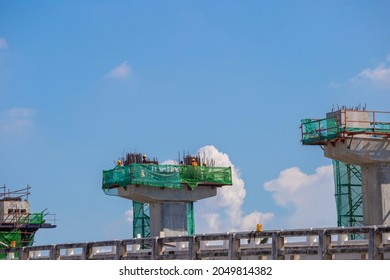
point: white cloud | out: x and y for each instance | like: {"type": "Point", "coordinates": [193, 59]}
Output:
{"type": "Point", "coordinates": [378, 76]}
{"type": "Point", "coordinates": [169, 161]}
{"type": "Point", "coordinates": [308, 197]}
{"type": "Point", "coordinates": [3, 43]}
{"type": "Point", "coordinates": [129, 215]}
{"type": "Point", "coordinates": [224, 212]}
{"type": "Point", "coordinates": [121, 71]}
{"type": "Point", "coordinates": [16, 120]}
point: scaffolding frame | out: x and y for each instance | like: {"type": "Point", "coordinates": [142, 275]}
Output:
{"type": "Point", "coordinates": [348, 195]}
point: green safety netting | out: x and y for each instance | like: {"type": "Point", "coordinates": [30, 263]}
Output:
{"type": "Point", "coordinates": [317, 131]}
{"type": "Point", "coordinates": [170, 176]}
{"type": "Point", "coordinates": [141, 219]}
{"type": "Point", "coordinates": [155, 175]}
{"type": "Point", "coordinates": [382, 127]}
{"type": "Point", "coordinates": [33, 218]}
{"type": "Point", "coordinates": [348, 195]}
{"type": "Point", "coordinates": [18, 238]}
{"type": "Point", "coordinates": [314, 131]}
{"type": "Point", "coordinates": [6, 238]}
{"type": "Point", "coordinates": [190, 218]}
{"type": "Point", "coordinates": [193, 175]}
{"type": "Point", "coordinates": [372, 128]}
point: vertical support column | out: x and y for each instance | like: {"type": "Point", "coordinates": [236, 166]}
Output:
{"type": "Point", "coordinates": [234, 245]}
{"type": "Point", "coordinates": [168, 217]}
{"type": "Point", "coordinates": [374, 241]}
{"type": "Point", "coordinates": [87, 251]}
{"type": "Point", "coordinates": [193, 248]}
{"type": "Point", "coordinates": [120, 250]}
{"type": "Point", "coordinates": [376, 193]}
{"type": "Point", "coordinates": [157, 248]}
{"type": "Point", "coordinates": [324, 241]}
{"type": "Point", "coordinates": [23, 254]}
{"type": "Point", "coordinates": [277, 246]}
{"type": "Point", "coordinates": [54, 252]}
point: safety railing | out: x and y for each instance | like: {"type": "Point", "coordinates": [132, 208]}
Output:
{"type": "Point", "coordinates": [319, 131]}
{"type": "Point", "coordinates": [375, 123]}
{"type": "Point", "coordinates": [369, 123]}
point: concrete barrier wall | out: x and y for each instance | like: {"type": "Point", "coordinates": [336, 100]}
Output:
{"type": "Point", "coordinates": [297, 244]}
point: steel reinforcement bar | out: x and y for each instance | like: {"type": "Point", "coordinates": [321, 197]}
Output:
{"type": "Point", "coordinates": [319, 243]}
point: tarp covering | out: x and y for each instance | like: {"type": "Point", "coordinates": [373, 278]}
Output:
{"type": "Point", "coordinates": [155, 175]}
{"type": "Point", "coordinates": [169, 176]}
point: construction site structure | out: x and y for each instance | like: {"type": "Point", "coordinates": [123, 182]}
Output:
{"type": "Point", "coordinates": [358, 142]}
{"type": "Point", "coordinates": [17, 224]}
{"type": "Point", "coordinates": [348, 195]}
{"type": "Point", "coordinates": [163, 195]}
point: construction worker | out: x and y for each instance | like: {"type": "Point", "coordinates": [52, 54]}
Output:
{"type": "Point", "coordinates": [119, 162]}
{"type": "Point", "coordinates": [194, 163]}
{"type": "Point", "coordinates": [144, 159]}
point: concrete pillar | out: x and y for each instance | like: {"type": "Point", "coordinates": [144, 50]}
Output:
{"type": "Point", "coordinates": [376, 193]}
{"type": "Point", "coordinates": [234, 245]}
{"type": "Point", "coordinates": [277, 246]}
{"type": "Point", "coordinates": [193, 247]}
{"type": "Point", "coordinates": [169, 218]}
{"type": "Point", "coordinates": [324, 242]}
{"type": "Point", "coordinates": [374, 242]}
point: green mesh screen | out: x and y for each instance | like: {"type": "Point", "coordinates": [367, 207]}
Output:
{"type": "Point", "coordinates": [190, 218]}
{"type": "Point", "coordinates": [6, 238]}
{"type": "Point", "coordinates": [141, 219]}
{"type": "Point", "coordinates": [382, 127]}
{"type": "Point", "coordinates": [155, 175]}
{"type": "Point", "coordinates": [348, 195]}
{"type": "Point", "coordinates": [34, 218]}
{"type": "Point", "coordinates": [22, 239]}
{"type": "Point", "coordinates": [119, 176]}
{"type": "Point", "coordinates": [170, 176]}
{"type": "Point", "coordinates": [314, 131]}
{"type": "Point", "coordinates": [194, 175]}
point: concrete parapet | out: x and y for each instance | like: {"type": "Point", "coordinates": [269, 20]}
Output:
{"type": "Point", "coordinates": [315, 244]}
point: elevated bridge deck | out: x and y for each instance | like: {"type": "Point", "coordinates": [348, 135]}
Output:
{"type": "Point", "coordinates": [296, 244]}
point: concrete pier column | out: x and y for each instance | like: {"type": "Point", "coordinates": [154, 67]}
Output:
{"type": "Point", "coordinates": [169, 218]}
{"type": "Point", "coordinates": [376, 193]}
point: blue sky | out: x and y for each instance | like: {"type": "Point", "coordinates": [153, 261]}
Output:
{"type": "Point", "coordinates": [83, 82]}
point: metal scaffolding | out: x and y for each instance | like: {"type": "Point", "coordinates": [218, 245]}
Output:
{"type": "Point", "coordinates": [348, 195]}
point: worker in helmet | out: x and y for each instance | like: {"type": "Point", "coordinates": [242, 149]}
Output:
{"type": "Point", "coordinates": [194, 164]}
{"type": "Point", "coordinates": [119, 162]}
{"type": "Point", "coordinates": [145, 159]}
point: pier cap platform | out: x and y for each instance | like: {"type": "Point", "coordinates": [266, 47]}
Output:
{"type": "Point", "coordinates": [362, 138]}
{"type": "Point", "coordinates": [163, 194]}
{"type": "Point", "coordinates": [159, 183]}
